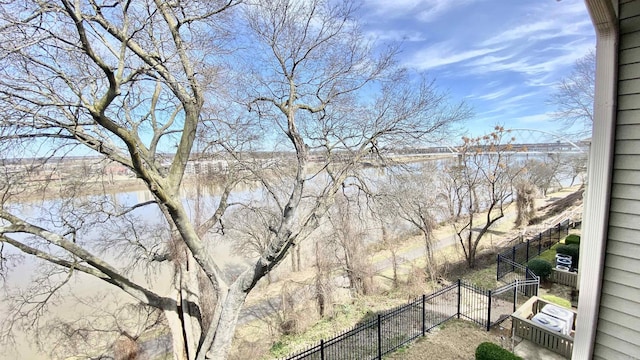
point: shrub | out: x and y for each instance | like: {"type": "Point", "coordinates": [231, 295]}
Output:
{"type": "Point", "coordinates": [572, 250]}
{"type": "Point", "coordinates": [491, 351]}
{"type": "Point", "coordinates": [540, 267]}
{"type": "Point", "coordinates": [572, 239]}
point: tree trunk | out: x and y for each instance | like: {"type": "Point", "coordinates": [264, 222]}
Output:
{"type": "Point", "coordinates": [177, 335]}
{"type": "Point", "coordinates": [228, 322]}
{"type": "Point", "coordinates": [295, 258]}
{"type": "Point", "coordinates": [185, 320]}
{"type": "Point", "coordinates": [191, 313]}
{"type": "Point", "coordinates": [471, 251]}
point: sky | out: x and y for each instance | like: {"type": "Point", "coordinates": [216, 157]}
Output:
{"type": "Point", "coordinates": [502, 57]}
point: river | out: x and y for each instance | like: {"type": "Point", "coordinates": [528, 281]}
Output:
{"type": "Point", "coordinates": [198, 199]}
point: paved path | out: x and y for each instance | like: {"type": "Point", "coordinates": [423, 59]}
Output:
{"type": "Point", "coordinates": [443, 239]}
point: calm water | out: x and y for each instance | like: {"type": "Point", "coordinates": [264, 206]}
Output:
{"type": "Point", "coordinates": [200, 201]}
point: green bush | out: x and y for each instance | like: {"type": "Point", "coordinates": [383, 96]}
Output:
{"type": "Point", "coordinates": [540, 267]}
{"type": "Point", "coordinates": [572, 239]}
{"type": "Point", "coordinates": [491, 351]}
{"type": "Point", "coordinates": [572, 250]}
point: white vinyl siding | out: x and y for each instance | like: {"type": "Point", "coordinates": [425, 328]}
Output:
{"type": "Point", "coordinates": [618, 331]}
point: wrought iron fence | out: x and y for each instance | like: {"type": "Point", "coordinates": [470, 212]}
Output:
{"type": "Point", "coordinates": [475, 304]}
{"type": "Point", "coordinates": [387, 331]}
{"type": "Point", "coordinates": [527, 250]}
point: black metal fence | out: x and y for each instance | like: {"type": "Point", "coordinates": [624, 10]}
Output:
{"type": "Point", "coordinates": [386, 332]}
{"type": "Point", "coordinates": [527, 250]}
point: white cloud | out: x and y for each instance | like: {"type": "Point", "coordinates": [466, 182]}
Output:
{"type": "Point", "coordinates": [495, 94]}
{"type": "Point", "coordinates": [521, 32]}
{"type": "Point", "coordinates": [544, 21]}
{"type": "Point", "coordinates": [510, 105]}
{"type": "Point", "coordinates": [540, 31]}
{"type": "Point", "coordinates": [396, 35]}
{"type": "Point", "coordinates": [436, 8]}
{"type": "Point", "coordinates": [536, 118]}
{"type": "Point", "coordinates": [393, 8]}
{"type": "Point", "coordinates": [570, 29]}
{"type": "Point", "coordinates": [490, 60]}
{"type": "Point", "coordinates": [443, 54]}
{"type": "Point", "coordinates": [422, 10]}
{"type": "Point", "coordinates": [537, 64]}
{"type": "Point", "coordinates": [504, 57]}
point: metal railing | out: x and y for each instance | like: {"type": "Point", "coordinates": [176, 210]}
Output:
{"type": "Point", "coordinates": [527, 250]}
{"type": "Point", "coordinates": [388, 331]}
{"type": "Point", "coordinates": [385, 332]}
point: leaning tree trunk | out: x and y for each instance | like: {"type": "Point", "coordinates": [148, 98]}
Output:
{"type": "Point", "coordinates": [177, 335]}
{"type": "Point", "coordinates": [191, 311]}
{"type": "Point", "coordinates": [185, 315]}
{"type": "Point", "coordinates": [184, 319]}
{"type": "Point", "coordinates": [226, 326]}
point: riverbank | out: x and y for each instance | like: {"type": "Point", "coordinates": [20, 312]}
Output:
{"type": "Point", "coordinates": [262, 317]}
{"type": "Point", "coordinates": [413, 282]}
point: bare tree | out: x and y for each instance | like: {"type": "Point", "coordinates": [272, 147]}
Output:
{"type": "Point", "coordinates": [113, 330]}
{"type": "Point", "coordinates": [348, 232]}
{"type": "Point", "coordinates": [323, 280]}
{"type": "Point", "coordinates": [574, 167]}
{"type": "Point", "coordinates": [542, 173]}
{"type": "Point", "coordinates": [574, 94]}
{"type": "Point", "coordinates": [451, 191]}
{"type": "Point", "coordinates": [484, 184]}
{"type": "Point", "coordinates": [525, 203]}
{"type": "Point", "coordinates": [383, 212]}
{"type": "Point", "coordinates": [138, 83]}
{"type": "Point", "coordinates": [412, 198]}
{"type": "Point", "coordinates": [252, 227]}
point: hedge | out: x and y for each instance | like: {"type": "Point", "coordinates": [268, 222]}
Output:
{"type": "Point", "coordinates": [572, 239]}
{"type": "Point", "coordinates": [540, 267]}
{"type": "Point", "coordinates": [491, 351]}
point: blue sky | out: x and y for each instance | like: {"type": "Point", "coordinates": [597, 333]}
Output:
{"type": "Point", "coordinates": [502, 57]}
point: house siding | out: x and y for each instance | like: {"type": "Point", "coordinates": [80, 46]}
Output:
{"type": "Point", "coordinates": [618, 330]}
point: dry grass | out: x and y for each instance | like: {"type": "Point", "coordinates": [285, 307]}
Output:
{"type": "Point", "coordinates": [456, 339]}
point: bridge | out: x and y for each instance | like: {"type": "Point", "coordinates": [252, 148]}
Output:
{"type": "Point", "coordinates": [527, 141]}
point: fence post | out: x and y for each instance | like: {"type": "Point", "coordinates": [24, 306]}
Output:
{"type": "Point", "coordinates": [513, 258]}
{"type": "Point", "coordinates": [489, 313]}
{"type": "Point", "coordinates": [527, 250]}
{"type": "Point", "coordinates": [530, 288]}
{"type": "Point", "coordinates": [539, 243]}
{"type": "Point", "coordinates": [515, 295]}
{"type": "Point", "coordinates": [424, 314]}
{"type": "Point", "coordinates": [379, 338]}
{"type": "Point", "coordinates": [498, 268]}
{"type": "Point", "coordinates": [459, 295]}
{"type": "Point", "coordinates": [321, 349]}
